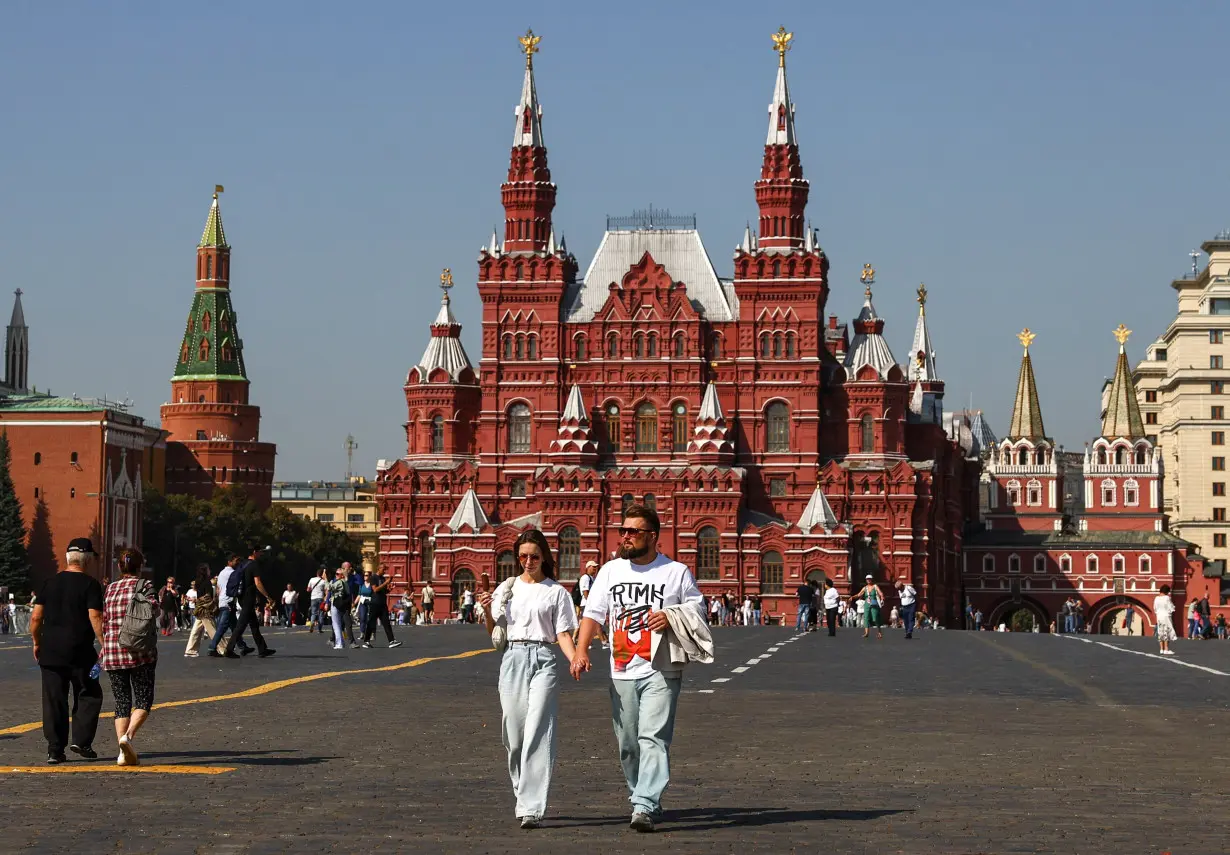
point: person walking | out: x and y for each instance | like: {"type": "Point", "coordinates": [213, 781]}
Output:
{"type": "Point", "coordinates": [537, 613]}
{"type": "Point", "coordinates": [467, 604]}
{"type": "Point", "coordinates": [1163, 611]}
{"type": "Point", "coordinates": [228, 608]}
{"type": "Point", "coordinates": [247, 609]}
{"type": "Point", "coordinates": [130, 673]}
{"type": "Point", "coordinates": [805, 595]}
{"type": "Point", "coordinates": [378, 610]}
{"type": "Point", "coordinates": [204, 609]}
{"type": "Point", "coordinates": [290, 598]}
{"type": "Point", "coordinates": [339, 610]}
{"type": "Point", "coordinates": [642, 592]}
{"type": "Point", "coordinates": [428, 599]}
{"type": "Point", "coordinates": [832, 601]}
{"type": "Point", "coordinates": [317, 587]}
{"type": "Point", "coordinates": [168, 606]}
{"type": "Point", "coordinates": [872, 599]}
{"type": "Point", "coordinates": [67, 617]}
{"type": "Point", "coordinates": [909, 604]}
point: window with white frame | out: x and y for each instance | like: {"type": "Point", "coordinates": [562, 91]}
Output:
{"type": "Point", "coordinates": [1091, 564]}
{"type": "Point", "coordinates": [1065, 564]}
{"type": "Point", "coordinates": [1131, 492]}
{"type": "Point", "coordinates": [1117, 565]}
{"type": "Point", "coordinates": [1014, 564]}
{"type": "Point", "coordinates": [988, 564]}
{"type": "Point", "coordinates": [1014, 493]}
{"type": "Point", "coordinates": [1146, 564]}
{"type": "Point", "coordinates": [1108, 493]}
{"type": "Point", "coordinates": [1033, 492]}
{"type": "Point", "coordinates": [1039, 563]}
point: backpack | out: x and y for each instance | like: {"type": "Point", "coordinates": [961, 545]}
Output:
{"type": "Point", "coordinates": [139, 629]}
{"type": "Point", "coordinates": [234, 584]}
{"type": "Point", "coordinates": [576, 595]}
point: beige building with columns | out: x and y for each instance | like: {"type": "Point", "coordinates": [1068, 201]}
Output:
{"type": "Point", "coordinates": [1183, 385]}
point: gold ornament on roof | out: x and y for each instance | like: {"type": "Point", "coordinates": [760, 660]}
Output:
{"type": "Point", "coordinates": [529, 46]}
{"type": "Point", "coordinates": [1025, 337]}
{"type": "Point", "coordinates": [218, 188]}
{"type": "Point", "coordinates": [922, 296]}
{"type": "Point", "coordinates": [781, 44]}
{"type": "Point", "coordinates": [867, 277]}
{"type": "Point", "coordinates": [1121, 334]}
{"type": "Point", "coordinates": [446, 279]}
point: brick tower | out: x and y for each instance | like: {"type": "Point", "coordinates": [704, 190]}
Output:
{"type": "Point", "coordinates": [214, 431]}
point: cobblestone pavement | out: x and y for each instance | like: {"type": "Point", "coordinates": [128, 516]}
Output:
{"type": "Point", "coordinates": [951, 743]}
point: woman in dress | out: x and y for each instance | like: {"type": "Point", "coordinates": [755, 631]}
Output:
{"type": "Point", "coordinates": [131, 674]}
{"type": "Point", "coordinates": [872, 598]}
{"type": "Point", "coordinates": [537, 614]}
{"type": "Point", "coordinates": [1163, 610]}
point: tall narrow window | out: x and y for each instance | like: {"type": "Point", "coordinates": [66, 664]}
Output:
{"type": "Point", "coordinates": [625, 501]}
{"type": "Point", "coordinates": [508, 347]}
{"type": "Point", "coordinates": [519, 429]}
{"type": "Point", "coordinates": [764, 346]}
{"type": "Point", "coordinates": [569, 553]}
{"type": "Point", "coordinates": [612, 429]}
{"type": "Point", "coordinates": [581, 347]}
{"type": "Point", "coordinates": [777, 345]}
{"type": "Point", "coordinates": [203, 352]}
{"type": "Point", "coordinates": [612, 346]}
{"type": "Point", "coordinates": [652, 345]}
{"type": "Point", "coordinates": [427, 556]}
{"type": "Point", "coordinates": [790, 345]}
{"type": "Point", "coordinates": [205, 322]}
{"type": "Point", "coordinates": [771, 573]}
{"type": "Point", "coordinates": [679, 346]}
{"type": "Point", "coordinates": [638, 346]}
{"type": "Point", "coordinates": [209, 267]}
{"type": "Point", "coordinates": [532, 348]}
{"type": "Point", "coordinates": [777, 423]}
{"type": "Point", "coordinates": [520, 348]}
{"type": "Point", "coordinates": [679, 427]}
{"type": "Point", "coordinates": [505, 566]}
{"type": "Point", "coordinates": [707, 554]}
{"type": "Point", "coordinates": [646, 427]}
{"type": "Point", "coordinates": [717, 346]}
{"type": "Point", "coordinates": [867, 434]}
{"type": "Point", "coordinates": [650, 501]}
{"type": "Point", "coordinates": [437, 435]}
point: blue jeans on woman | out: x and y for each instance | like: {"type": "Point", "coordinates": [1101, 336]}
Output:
{"type": "Point", "coordinates": [529, 699]}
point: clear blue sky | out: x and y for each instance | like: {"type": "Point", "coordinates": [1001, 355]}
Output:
{"type": "Point", "coordinates": [1048, 164]}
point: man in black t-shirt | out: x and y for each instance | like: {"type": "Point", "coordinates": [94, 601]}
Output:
{"type": "Point", "coordinates": [67, 618]}
{"type": "Point", "coordinates": [247, 609]}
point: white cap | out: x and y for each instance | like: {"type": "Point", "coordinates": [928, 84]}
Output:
{"type": "Point", "coordinates": [869, 576]}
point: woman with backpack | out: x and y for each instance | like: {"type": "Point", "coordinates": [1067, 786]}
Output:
{"type": "Point", "coordinates": [130, 650]}
{"type": "Point", "coordinates": [204, 609]}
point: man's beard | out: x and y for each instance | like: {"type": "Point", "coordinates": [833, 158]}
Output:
{"type": "Point", "coordinates": [630, 552]}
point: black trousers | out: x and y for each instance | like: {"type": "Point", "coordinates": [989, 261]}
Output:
{"type": "Point", "coordinates": [831, 617]}
{"type": "Point", "coordinates": [87, 704]}
{"type": "Point", "coordinates": [247, 620]}
{"type": "Point", "coordinates": [374, 615]}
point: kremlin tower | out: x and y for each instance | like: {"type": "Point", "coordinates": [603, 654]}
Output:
{"type": "Point", "coordinates": [214, 431]}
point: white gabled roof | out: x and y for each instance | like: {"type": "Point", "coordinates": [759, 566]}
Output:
{"type": "Point", "coordinates": [469, 512]}
{"type": "Point", "coordinates": [710, 407]}
{"type": "Point", "coordinates": [680, 251]}
{"type": "Point", "coordinates": [869, 348]}
{"type": "Point", "coordinates": [575, 408]}
{"type": "Point", "coordinates": [818, 513]}
{"type": "Point", "coordinates": [444, 348]}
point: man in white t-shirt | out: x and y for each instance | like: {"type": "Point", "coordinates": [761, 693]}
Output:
{"type": "Point", "coordinates": [631, 592]}
{"type": "Point", "coordinates": [289, 598]}
{"type": "Point", "coordinates": [909, 603]}
{"type": "Point", "coordinates": [318, 587]}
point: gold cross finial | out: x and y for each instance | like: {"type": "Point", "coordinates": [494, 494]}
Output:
{"type": "Point", "coordinates": [922, 297]}
{"type": "Point", "coordinates": [446, 279]}
{"type": "Point", "coordinates": [529, 46]}
{"type": "Point", "coordinates": [1025, 337]}
{"type": "Point", "coordinates": [1121, 335]}
{"type": "Point", "coordinates": [781, 44]}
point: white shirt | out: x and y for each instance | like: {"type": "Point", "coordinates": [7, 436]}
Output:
{"type": "Point", "coordinates": [1163, 607]}
{"type": "Point", "coordinates": [223, 599]}
{"type": "Point", "coordinates": [289, 597]}
{"type": "Point", "coordinates": [908, 594]}
{"type": "Point", "coordinates": [316, 588]}
{"type": "Point", "coordinates": [859, 605]}
{"type": "Point", "coordinates": [831, 598]}
{"type": "Point", "coordinates": [467, 597]}
{"type": "Point", "coordinates": [191, 596]}
{"type": "Point", "coordinates": [539, 611]}
{"type": "Point", "coordinates": [586, 582]}
{"type": "Point", "coordinates": [626, 593]}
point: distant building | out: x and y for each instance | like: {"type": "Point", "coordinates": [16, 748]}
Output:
{"type": "Point", "coordinates": [349, 507]}
{"type": "Point", "coordinates": [214, 430]}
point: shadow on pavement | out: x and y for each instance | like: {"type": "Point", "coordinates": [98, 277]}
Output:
{"type": "Point", "coordinates": [238, 758]}
{"type": "Point", "coordinates": [707, 819]}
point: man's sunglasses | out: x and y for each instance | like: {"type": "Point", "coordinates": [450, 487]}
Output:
{"type": "Point", "coordinates": [633, 532]}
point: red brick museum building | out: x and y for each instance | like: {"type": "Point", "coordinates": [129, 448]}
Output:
{"type": "Point", "coordinates": [777, 444]}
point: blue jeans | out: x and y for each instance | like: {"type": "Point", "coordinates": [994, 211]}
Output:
{"type": "Point", "coordinates": [314, 618]}
{"type": "Point", "coordinates": [907, 617]}
{"type": "Point", "coordinates": [1069, 623]}
{"type": "Point", "coordinates": [643, 713]}
{"type": "Point", "coordinates": [529, 698]}
{"type": "Point", "coordinates": [226, 621]}
{"type": "Point", "coordinates": [755, 617]}
{"type": "Point", "coordinates": [800, 622]}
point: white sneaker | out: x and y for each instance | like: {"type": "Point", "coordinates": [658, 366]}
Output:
{"type": "Point", "coordinates": [128, 754]}
{"type": "Point", "coordinates": [338, 647]}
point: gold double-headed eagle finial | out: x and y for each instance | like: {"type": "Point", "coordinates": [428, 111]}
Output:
{"type": "Point", "coordinates": [922, 296]}
{"type": "Point", "coordinates": [781, 44]}
{"type": "Point", "coordinates": [529, 46]}
{"type": "Point", "coordinates": [446, 279]}
{"type": "Point", "coordinates": [867, 277]}
{"type": "Point", "coordinates": [1025, 337]}
{"type": "Point", "coordinates": [1121, 335]}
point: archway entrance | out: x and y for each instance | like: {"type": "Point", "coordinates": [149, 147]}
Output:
{"type": "Point", "coordinates": [818, 576]}
{"type": "Point", "coordinates": [1125, 620]}
{"type": "Point", "coordinates": [462, 580]}
{"type": "Point", "coordinates": [1018, 615]}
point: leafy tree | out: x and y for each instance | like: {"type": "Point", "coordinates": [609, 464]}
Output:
{"type": "Point", "coordinates": [14, 562]}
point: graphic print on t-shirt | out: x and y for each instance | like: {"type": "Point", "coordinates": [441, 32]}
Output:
{"type": "Point", "coordinates": [631, 603]}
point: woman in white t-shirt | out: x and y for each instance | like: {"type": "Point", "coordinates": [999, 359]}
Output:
{"type": "Point", "coordinates": [1163, 611]}
{"type": "Point", "coordinates": [538, 613]}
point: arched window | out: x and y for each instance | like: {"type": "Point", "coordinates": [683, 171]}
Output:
{"type": "Point", "coordinates": [777, 268]}
{"type": "Point", "coordinates": [717, 346]}
{"type": "Point", "coordinates": [679, 427]}
{"type": "Point", "coordinates": [505, 566]}
{"type": "Point", "coordinates": [1117, 565]}
{"type": "Point", "coordinates": [777, 345]}
{"type": "Point", "coordinates": [1014, 493]}
{"type": "Point", "coordinates": [1120, 456]}
{"type": "Point", "coordinates": [867, 434]}
{"type": "Point", "coordinates": [203, 353]}
{"type": "Point", "coordinates": [427, 556]}
{"type": "Point", "coordinates": [764, 346]}
{"type": "Point", "coordinates": [1039, 563]}
{"type": "Point", "coordinates": [1033, 494]}
{"type": "Point", "coordinates": [532, 348]}
{"type": "Point", "coordinates": [520, 272]}
{"type": "Point", "coordinates": [1065, 564]}
{"type": "Point", "coordinates": [580, 347]}
{"type": "Point", "coordinates": [1140, 455]}
{"type": "Point", "coordinates": [777, 428]}
{"type": "Point", "coordinates": [771, 573]}
{"type": "Point", "coordinates": [646, 427]}
{"type": "Point", "coordinates": [625, 501]}
{"type": "Point", "coordinates": [650, 501]}
{"type": "Point", "coordinates": [223, 323]}
{"type": "Point", "coordinates": [1101, 456]}
{"type": "Point", "coordinates": [508, 347]}
{"type": "Point", "coordinates": [1022, 457]}
{"type": "Point", "coordinates": [519, 429]}
{"type": "Point", "coordinates": [638, 346]}
{"type": "Point", "coordinates": [1014, 564]}
{"type": "Point", "coordinates": [209, 267]}
{"type": "Point", "coordinates": [988, 564]}
{"type": "Point", "coordinates": [612, 429]}
{"type": "Point", "coordinates": [1146, 564]}
{"type": "Point", "coordinates": [1091, 564]}
{"type": "Point", "coordinates": [652, 348]}
{"type": "Point", "coordinates": [437, 435]}
{"type": "Point", "coordinates": [183, 353]}
{"type": "Point", "coordinates": [205, 322]}
{"type": "Point", "coordinates": [612, 345]}
{"type": "Point", "coordinates": [520, 347]}
{"type": "Point", "coordinates": [227, 354]}
{"type": "Point", "coordinates": [679, 351]}
{"type": "Point", "coordinates": [790, 345]}
{"type": "Point", "coordinates": [1039, 456]}
{"type": "Point", "coordinates": [707, 552]}
{"type": "Point", "coordinates": [1108, 492]}
{"type": "Point", "coordinates": [1131, 492]}
{"type": "Point", "coordinates": [569, 553]}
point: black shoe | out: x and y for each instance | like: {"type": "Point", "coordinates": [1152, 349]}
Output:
{"type": "Point", "coordinates": [246, 650]}
{"type": "Point", "coordinates": [85, 751]}
{"type": "Point", "coordinates": [231, 655]}
{"type": "Point", "coordinates": [55, 758]}
{"type": "Point", "coordinates": [267, 652]}
{"type": "Point", "coordinates": [215, 654]}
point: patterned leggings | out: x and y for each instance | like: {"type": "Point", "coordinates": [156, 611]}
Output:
{"type": "Point", "coordinates": [132, 687]}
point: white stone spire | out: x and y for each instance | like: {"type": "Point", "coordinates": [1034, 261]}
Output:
{"type": "Point", "coordinates": [551, 242]}
{"type": "Point", "coordinates": [494, 247]}
{"type": "Point", "coordinates": [781, 111]}
{"type": "Point", "coordinates": [709, 441]}
{"type": "Point", "coordinates": [574, 437]}
{"type": "Point", "coordinates": [469, 512]}
{"type": "Point", "coordinates": [574, 410]}
{"type": "Point", "coordinates": [818, 513]}
{"type": "Point", "coordinates": [922, 354]}
{"type": "Point", "coordinates": [710, 407]}
{"type": "Point", "coordinates": [528, 127]}
{"type": "Point", "coordinates": [746, 245]}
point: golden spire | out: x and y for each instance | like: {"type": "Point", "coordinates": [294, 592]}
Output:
{"type": "Point", "coordinates": [529, 46]}
{"type": "Point", "coordinates": [867, 277]}
{"type": "Point", "coordinates": [922, 298]}
{"type": "Point", "coordinates": [1121, 335]}
{"type": "Point", "coordinates": [781, 44]}
{"type": "Point", "coordinates": [1025, 337]}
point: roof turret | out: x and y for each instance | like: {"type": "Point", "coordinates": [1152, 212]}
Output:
{"type": "Point", "coordinates": [922, 354]}
{"type": "Point", "coordinates": [868, 346]}
{"type": "Point", "coordinates": [781, 109]}
{"type": "Point", "coordinates": [1026, 410]}
{"type": "Point", "coordinates": [214, 234]}
{"type": "Point", "coordinates": [444, 348]}
{"type": "Point", "coordinates": [19, 317]}
{"type": "Point", "coordinates": [574, 436]}
{"type": "Point", "coordinates": [818, 513]}
{"type": "Point", "coordinates": [781, 192]}
{"type": "Point", "coordinates": [528, 127]}
{"type": "Point", "coordinates": [709, 437]}
{"type": "Point", "coordinates": [469, 513]}
{"type": "Point", "coordinates": [1122, 416]}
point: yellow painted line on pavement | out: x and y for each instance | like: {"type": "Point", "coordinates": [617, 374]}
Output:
{"type": "Point", "coordinates": [122, 770]}
{"type": "Point", "coordinates": [266, 688]}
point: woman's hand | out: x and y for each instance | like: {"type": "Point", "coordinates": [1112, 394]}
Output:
{"type": "Point", "coordinates": [484, 600]}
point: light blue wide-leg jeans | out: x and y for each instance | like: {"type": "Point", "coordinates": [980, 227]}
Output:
{"type": "Point", "coordinates": [643, 712]}
{"type": "Point", "coordinates": [529, 697]}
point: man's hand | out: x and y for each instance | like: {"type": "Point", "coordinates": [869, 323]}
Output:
{"type": "Point", "coordinates": [580, 664]}
{"type": "Point", "coordinates": [657, 621]}
{"type": "Point", "coordinates": [36, 651]}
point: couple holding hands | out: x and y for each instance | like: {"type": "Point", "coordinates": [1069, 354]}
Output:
{"type": "Point", "coordinates": [656, 625]}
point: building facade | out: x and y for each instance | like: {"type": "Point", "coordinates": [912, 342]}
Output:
{"type": "Point", "coordinates": [1183, 384]}
{"type": "Point", "coordinates": [347, 506]}
{"type": "Point", "coordinates": [214, 429]}
{"type": "Point", "coordinates": [775, 447]}
{"type": "Point", "coordinates": [1103, 540]}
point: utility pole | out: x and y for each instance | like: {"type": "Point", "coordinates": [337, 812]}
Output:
{"type": "Point", "coordinates": [351, 445]}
